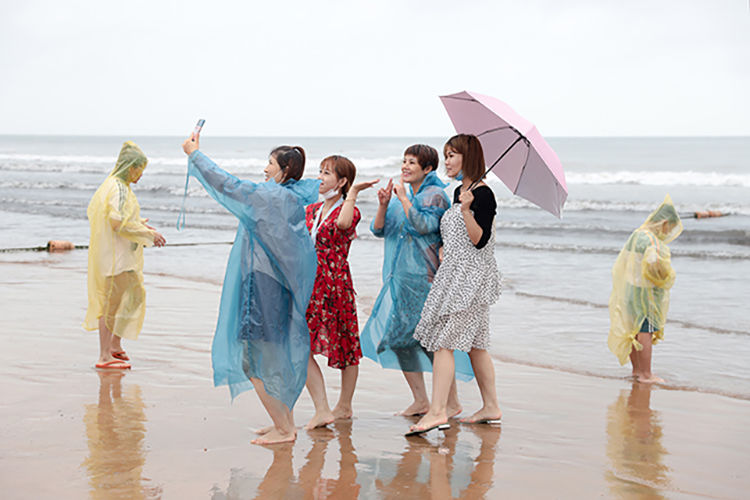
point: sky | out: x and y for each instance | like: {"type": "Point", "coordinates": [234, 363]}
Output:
{"type": "Point", "coordinates": [350, 68]}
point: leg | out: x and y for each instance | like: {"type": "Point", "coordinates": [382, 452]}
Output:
{"type": "Point", "coordinates": [105, 347]}
{"type": "Point", "coordinates": [484, 370]}
{"type": "Point", "coordinates": [107, 340]}
{"type": "Point", "coordinates": [343, 407]}
{"type": "Point", "coordinates": [443, 375]}
{"type": "Point", "coordinates": [265, 430]}
{"type": "Point", "coordinates": [634, 362]}
{"type": "Point", "coordinates": [116, 344]}
{"type": "Point", "coordinates": [644, 360]}
{"type": "Point", "coordinates": [419, 392]}
{"type": "Point", "coordinates": [283, 431]}
{"type": "Point", "coordinates": [454, 405]}
{"type": "Point", "coordinates": [317, 389]}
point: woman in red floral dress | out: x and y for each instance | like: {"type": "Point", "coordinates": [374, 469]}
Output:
{"type": "Point", "coordinates": [332, 313]}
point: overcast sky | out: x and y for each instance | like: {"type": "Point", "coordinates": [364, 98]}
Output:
{"type": "Point", "coordinates": [332, 68]}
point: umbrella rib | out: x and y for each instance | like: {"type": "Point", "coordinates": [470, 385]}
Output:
{"type": "Point", "coordinates": [523, 169]}
{"type": "Point", "coordinates": [496, 129]}
{"type": "Point", "coordinates": [518, 139]}
{"type": "Point", "coordinates": [459, 98]}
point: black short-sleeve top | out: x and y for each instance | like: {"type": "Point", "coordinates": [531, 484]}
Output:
{"type": "Point", "coordinates": [484, 207]}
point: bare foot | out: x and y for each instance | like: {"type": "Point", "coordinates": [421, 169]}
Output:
{"type": "Point", "coordinates": [275, 437]}
{"type": "Point", "coordinates": [429, 420]}
{"type": "Point", "coordinates": [342, 413]}
{"type": "Point", "coordinates": [264, 430]}
{"type": "Point", "coordinates": [650, 379]}
{"type": "Point", "coordinates": [320, 420]}
{"type": "Point", "coordinates": [416, 409]}
{"type": "Point", "coordinates": [454, 411]}
{"type": "Point", "coordinates": [482, 415]}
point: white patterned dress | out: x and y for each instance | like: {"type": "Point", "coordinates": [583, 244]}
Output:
{"type": "Point", "coordinates": [456, 313]}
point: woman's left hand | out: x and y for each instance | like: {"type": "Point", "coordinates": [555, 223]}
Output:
{"type": "Point", "coordinates": [466, 198]}
{"type": "Point", "coordinates": [360, 186]}
{"type": "Point", "coordinates": [399, 190]}
{"type": "Point", "coordinates": [191, 144]}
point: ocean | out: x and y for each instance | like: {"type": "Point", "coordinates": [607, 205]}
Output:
{"type": "Point", "coordinates": [556, 272]}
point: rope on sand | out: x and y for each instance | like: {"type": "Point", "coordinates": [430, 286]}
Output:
{"type": "Point", "coordinates": [64, 246]}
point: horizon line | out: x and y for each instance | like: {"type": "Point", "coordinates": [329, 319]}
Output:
{"type": "Point", "coordinates": [691, 136]}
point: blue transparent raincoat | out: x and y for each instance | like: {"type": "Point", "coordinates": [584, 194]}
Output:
{"type": "Point", "coordinates": [410, 263]}
{"type": "Point", "coordinates": [262, 331]}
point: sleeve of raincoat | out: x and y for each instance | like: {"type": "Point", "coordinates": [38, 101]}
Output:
{"type": "Point", "coordinates": [392, 221]}
{"type": "Point", "coordinates": [656, 266]}
{"type": "Point", "coordinates": [426, 210]}
{"type": "Point", "coordinates": [121, 214]}
{"type": "Point", "coordinates": [234, 194]}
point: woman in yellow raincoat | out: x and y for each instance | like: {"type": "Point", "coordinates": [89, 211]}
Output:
{"type": "Point", "coordinates": [641, 279]}
{"type": "Point", "coordinates": [117, 299]}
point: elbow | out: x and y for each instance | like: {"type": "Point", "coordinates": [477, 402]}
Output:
{"type": "Point", "coordinates": [480, 243]}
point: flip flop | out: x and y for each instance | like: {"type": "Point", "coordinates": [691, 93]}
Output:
{"type": "Point", "coordinates": [121, 355]}
{"type": "Point", "coordinates": [489, 421]}
{"type": "Point", "coordinates": [417, 432]}
{"type": "Point", "coordinates": [113, 365]}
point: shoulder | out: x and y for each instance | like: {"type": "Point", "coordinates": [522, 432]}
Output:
{"type": "Point", "coordinates": [456, 193]}
{"type": "Point", "coordinates": [313, 207]}
{"type": "Point", "coordinates": [484, 196]}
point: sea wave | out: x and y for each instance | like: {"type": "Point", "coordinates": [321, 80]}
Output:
{"type": "Point", "coordinates": [169, 165]}
{"type": "Point", "coordinates": [660, 178]}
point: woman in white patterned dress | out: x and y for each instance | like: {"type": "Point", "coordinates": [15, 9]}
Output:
{"type": "Point", "coordinates": [456, 312]}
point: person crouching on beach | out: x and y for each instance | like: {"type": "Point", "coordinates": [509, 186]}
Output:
{"type": "Point", "coordinates": [117, 298]}
{"type": "Point", "coordinates": [332, 313]}
{"type": "Point", "coordinates": [410, 224]}
{"type": "Point", "coordinates": [456, 313]}
{"type": "Point", "coordinates": [261, 338]}
{"type": "Point", "coordinates": [641, 278]}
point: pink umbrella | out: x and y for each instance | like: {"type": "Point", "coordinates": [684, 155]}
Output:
{"type": "Point", "coordinates": [513, 148]}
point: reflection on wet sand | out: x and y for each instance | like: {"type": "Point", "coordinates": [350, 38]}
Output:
{"type": "Point", "coordinates": [310, 475]}
{"type": "Point", "coordinates": [452, 468]}
{"type": "Point", "coordinates": [280, 481]}
{"type": "Point", "coordinates": [634, 445]}
{"type": "Point", "coordinates": [449, 469]}
{"type": "Point", "coordinates": [115, 430]}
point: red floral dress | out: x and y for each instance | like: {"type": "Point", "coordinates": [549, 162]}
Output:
{"type": "Point", "coordinates": [332, 313]}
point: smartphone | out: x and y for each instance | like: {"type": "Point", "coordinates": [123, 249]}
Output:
{"type": "Point", "coordinates": [198, 127]}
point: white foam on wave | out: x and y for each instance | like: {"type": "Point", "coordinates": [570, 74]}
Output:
{"type": "Point", "coordinates": [659, 178]}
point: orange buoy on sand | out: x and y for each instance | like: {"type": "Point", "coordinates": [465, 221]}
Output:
{"type": "Point", "coordinates": [707, 214]}
{"type": "Point", "coordinates": [59, 246]}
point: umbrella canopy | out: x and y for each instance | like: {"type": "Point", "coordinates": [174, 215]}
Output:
{"type": "Point", "coordinates": [513, 148]}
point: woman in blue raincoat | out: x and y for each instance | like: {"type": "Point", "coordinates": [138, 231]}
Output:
{"type": "Point", "coordinates": [410, 225]}
{"type": "Point", "coordinates": [261, 338]}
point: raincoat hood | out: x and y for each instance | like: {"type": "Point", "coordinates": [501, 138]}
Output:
{"type": "Point", "coordinates": [130, 156]}
{"type": "Point", "coordinates": [655, 222]}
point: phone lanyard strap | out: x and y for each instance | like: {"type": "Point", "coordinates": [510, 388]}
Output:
{"type": "Point", "coordinates": [181, 216]}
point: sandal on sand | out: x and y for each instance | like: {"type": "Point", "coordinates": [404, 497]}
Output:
{"type": "Point", "coordinates": [489, 421]}
{"type": "Point", "coordinates": [121, 355]}
{"type": "Point", "coordinates": [115, 364]}
{"type": "Point", "coordinates": [440, 427]}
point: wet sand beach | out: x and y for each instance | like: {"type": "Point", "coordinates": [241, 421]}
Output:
{"type": "Point", "coordinates": [163, 431]}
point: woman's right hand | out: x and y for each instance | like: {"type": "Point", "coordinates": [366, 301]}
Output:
{"type": "Point", "coordinates": [159, 240]}
{"type": "Point", "coordinates": [384, 194]}
{"type": "Point", "coordinates": [191, 144]}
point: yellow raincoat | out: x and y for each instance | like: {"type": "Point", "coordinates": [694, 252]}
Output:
{"type": "Point", "coordinates": [641, 279]}
{"type": "Point", "coordinates": [118, 235]}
